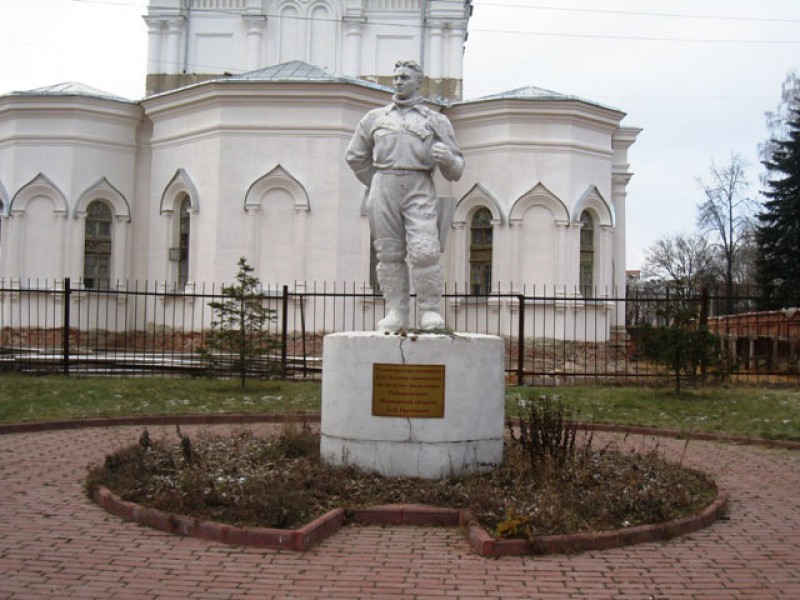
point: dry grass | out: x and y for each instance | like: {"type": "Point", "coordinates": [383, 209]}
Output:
{"type": "Point", "coordinates": [279, 482]}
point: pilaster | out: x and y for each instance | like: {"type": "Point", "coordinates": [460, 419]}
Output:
{"type": "Point", "coordinates": [155, 31]}
{"type": "Point", "coordinates": [251, 234]}
{"type": "Point", "coordinates": [301, 250]}
{"type": "Point", "coordinates": [353, 28]}
{"type": "Point", "coordinates": [515, 225]}
{"type": "Point", "coordinates": [603, 261]}
{"type": "Point", "coordinates": [172, 60]}
{"type": "Point", "coordinates": [255, 25]}
{"type": "Point", "coordinates": [120, 249]}
{"type": "Point", "coordinates": [435, 38]}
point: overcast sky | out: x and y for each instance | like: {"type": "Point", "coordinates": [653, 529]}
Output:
{"type": "Point", "coordinates": [696, 75]}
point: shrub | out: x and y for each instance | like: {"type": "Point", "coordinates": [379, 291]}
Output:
{"type": "Point", "coordinates": [684, 346]}
{"type": "Point", "coordinates": [547, 432]}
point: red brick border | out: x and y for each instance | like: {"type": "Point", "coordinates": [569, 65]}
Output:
{"type": "Point", "coordinates": [299, 540]}
{"type": "Point", "coordinates": [479, 540]}
{"type": "Point", "coordinates": [485, 545]}
{"type": "Point", "coordinates": [323, 527]}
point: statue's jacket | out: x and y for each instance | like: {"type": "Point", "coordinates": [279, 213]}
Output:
{"type": "Point", "coordinates": [389, 138]}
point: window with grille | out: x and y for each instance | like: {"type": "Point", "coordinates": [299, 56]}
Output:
{"type": "Point", "coordinates": [480, 252]}
{"type": "Point", "coordinates": [587, 256]}
{"type": "Point", "coordinates": [97, 246]}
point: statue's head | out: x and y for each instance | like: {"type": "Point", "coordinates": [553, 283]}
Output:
{"type": "Point", "coordinates": [407, 79]}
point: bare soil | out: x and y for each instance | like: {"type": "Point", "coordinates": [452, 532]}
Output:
{"type": "Point", "coordinates": [279, 482]}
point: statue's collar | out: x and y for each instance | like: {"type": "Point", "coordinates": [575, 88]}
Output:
{"type": "Point", "coordinates": [409, 103]}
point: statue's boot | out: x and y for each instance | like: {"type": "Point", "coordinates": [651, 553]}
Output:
{"type": "Point", "coordinates": [428, 282]}
{"type": "Point", "coordinates": [392, 273]}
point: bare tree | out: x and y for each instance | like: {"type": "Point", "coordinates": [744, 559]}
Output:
{"type": "Point", "coordinates": [685, 262]}
{"type": "Point", "coordinates": [744, 269]}
{"type": "Point", "coordinates": [728, 214]}
{"type": "Point", "coordinates": [777, 120]}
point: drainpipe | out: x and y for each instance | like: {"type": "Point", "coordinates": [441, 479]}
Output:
{"type": "Point", "coordinates": [188, 14]}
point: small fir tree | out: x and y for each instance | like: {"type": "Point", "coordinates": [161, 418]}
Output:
{"type": "Point", "coordinates": [778, 233]}
{"type": "Point", "coordinates": [239, 334]}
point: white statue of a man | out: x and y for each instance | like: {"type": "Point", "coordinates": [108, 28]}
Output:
{"type": "Point", "coordinates": [394, 152]}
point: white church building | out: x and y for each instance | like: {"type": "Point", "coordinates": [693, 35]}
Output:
{"type": "Point", "coordinates": [238, 150]}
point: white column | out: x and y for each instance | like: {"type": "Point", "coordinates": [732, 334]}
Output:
{"type": "Point", "coordinates": [352, 45]}
{"type": "Point", "coordinates": [461, 260]}
{"type": "Point", "coordinates": [435, 63]}
{"type": "Point", "coordinates": [172, 60]}
{"type": "Point", "coordinates": [60, 246]}
{"type": "Point", "coordinates": [194, 253]}
{"type": "Point", "coordinates": [563, 259]}
{"type": "Point", "coordinates": [300, 226]}
{"type": "Point", "coordinates": [455, 51]}
{"type": "Point", "coordinates": [154, 32]}
{"type": "Point", "coordinates": [119, 270]}
{"type": "Point", "coordinates": [8, 245]}
{"type": "Point", "coordinates": [619, 183]}
{"type": "Point", "coordinates": [255, 25]}
{"type": "Point", "coordinates": [251, 237]}
{"type": "Point", "coordinates": [170, 271]}
{"type": "Point", "coordinates": [516, 252]}
{"type": "Point", "coordinates": [603, 258]}
{"type": "Point", "coordinates": [498, 266]}
{"type": "Point", "coordinates": [3, 246]}
{"type": "Point", "coordinates": [573, 249]}
{"type": "Point", "coordinates": [17, 245]}
{"type": "Point", "coordinates": [75, 233]}
{"type": "Point", "coordinates": [622, 140]}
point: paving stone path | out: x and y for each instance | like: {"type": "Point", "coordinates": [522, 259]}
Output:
{"type": "Point", "coordinates": [55, 543]}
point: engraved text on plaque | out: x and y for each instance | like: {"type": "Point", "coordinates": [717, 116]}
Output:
{"type": "Point", "coordinates": [408, 391]}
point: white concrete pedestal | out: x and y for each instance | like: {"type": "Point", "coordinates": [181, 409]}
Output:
{"type": "Point", "coordinates": [470, 434]}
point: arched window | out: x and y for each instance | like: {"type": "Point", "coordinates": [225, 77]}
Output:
{"type": "Point", "coordinates": [183, 243]}
{"type": "Point", "coordinates": [587, 255]}
{"type": "Point", "coordinates": [480, 252]}
{"type": "Point", "coordinates": [97, 246]}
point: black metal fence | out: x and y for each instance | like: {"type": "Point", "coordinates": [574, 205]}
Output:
{"type": "Point", "coordinates": [553, 336]}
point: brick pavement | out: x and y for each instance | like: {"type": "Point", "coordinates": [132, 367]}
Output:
{"type": "Point", "coordinates": [55, 543]}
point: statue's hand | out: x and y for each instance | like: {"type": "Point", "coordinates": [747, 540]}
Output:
{"type": "Point", "coordinates": [443, 155]}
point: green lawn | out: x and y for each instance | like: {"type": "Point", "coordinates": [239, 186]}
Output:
{"type": "Point", "coordinates": [50, 398]}
{"type": "Point", "coordinates": [772, 413]}
{"type": "Point", "coordinates": [755, 411]}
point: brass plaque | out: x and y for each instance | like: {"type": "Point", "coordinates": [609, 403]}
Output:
{"type": "Point", "coordinates": [415, 391]}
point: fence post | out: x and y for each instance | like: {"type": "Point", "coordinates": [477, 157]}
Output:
{"type": "Point", "coordinates": [65, 334]}
{"type": "Point", "coordinates": [284, 328]}
{"type": "Point", "coordinates": [303, 332]}
{"type": "Point", "coordinates": [521, 341]}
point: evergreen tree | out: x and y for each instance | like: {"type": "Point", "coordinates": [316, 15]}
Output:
{"type": "Point", "coordinates": [239, 336]}
{"type": "Point", "coordinates": [778, 234]}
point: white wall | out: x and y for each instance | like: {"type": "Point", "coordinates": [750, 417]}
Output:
{"type": "Point", "coordinates": [541, 161]}
{"type": "Point", "coordinates": [362, 39]}
{"type": "Point", "coordinates": [53, 150]}
{"type": "Point", "coordinates": [264, 165]}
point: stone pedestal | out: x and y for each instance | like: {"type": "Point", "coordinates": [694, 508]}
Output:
{"type": "Point", "coordinates": [468, 435]}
